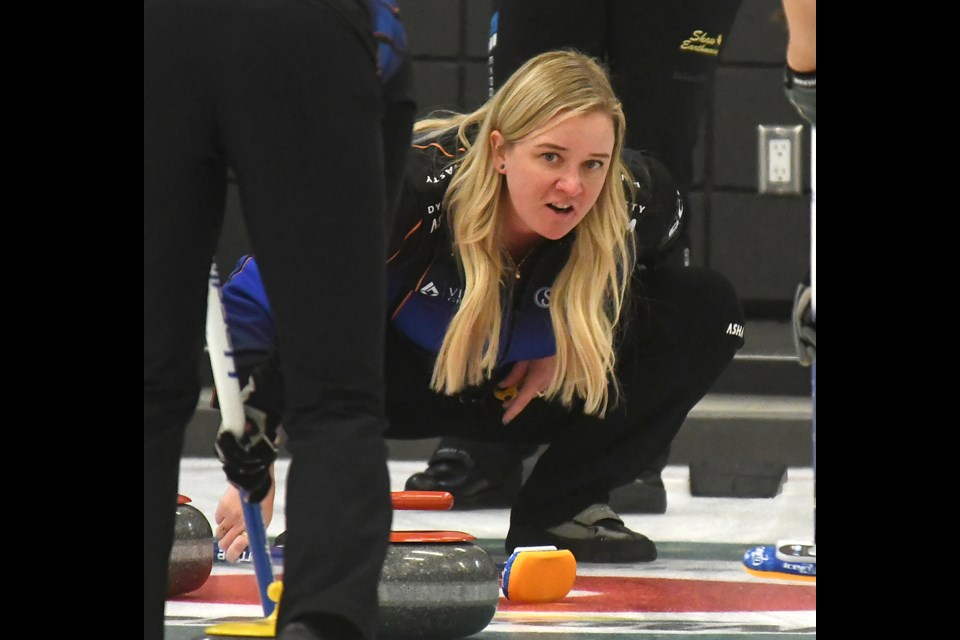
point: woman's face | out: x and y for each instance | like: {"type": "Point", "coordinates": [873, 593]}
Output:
{"type": "Point", "coordinates": [553, 176]}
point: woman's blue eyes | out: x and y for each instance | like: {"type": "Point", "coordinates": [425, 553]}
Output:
{"type": "Point", "coordinates": [553, 157]}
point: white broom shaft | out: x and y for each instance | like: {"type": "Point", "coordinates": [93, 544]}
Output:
{"type": "Point", "coordinates": [221, 360]}
{"type": "Point", "coordinates": [233, 419]}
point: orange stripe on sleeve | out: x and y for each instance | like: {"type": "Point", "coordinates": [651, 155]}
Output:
{"type": "Point", "coordinates": [409, 233]}
{"type": "Point", "coordinates": [434, 144]}
{"type": "Point", "coordinates": [415, 288]}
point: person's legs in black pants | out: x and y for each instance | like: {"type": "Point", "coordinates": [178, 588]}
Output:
{"type": "Point", "coordinates": [184, 189]}
{"type": "Point", "coordinates": [676, 343]}
{"type": "Point", "coordinates": [311, 188]}
{"type": "Point", "coordinates": [251, 84]}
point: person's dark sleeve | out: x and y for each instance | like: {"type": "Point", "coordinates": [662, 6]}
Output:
{"type": "Point", "coordinates": [657, 208]}
{"type": "Point", "coordinates": [419, 212]}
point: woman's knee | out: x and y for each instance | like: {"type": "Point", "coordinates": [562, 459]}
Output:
{"type": "Point", "coordinates": [707, 304]}
{"type": "Point", "coordinates": [717, 319]}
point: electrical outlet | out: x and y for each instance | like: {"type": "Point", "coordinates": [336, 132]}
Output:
{"type": "Point", "coordinates": [779, 148]}
{"type": "Point", "coordinates": [779, 154]}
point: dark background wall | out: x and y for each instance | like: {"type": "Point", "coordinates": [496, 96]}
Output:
{"type": "Point", "coordinates": [760, 241]}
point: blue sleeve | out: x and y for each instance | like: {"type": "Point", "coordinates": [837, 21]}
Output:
{"type": "Point", "coordinates": [249, 319]}
{"type": "Point", "coordinates": [391, 37]}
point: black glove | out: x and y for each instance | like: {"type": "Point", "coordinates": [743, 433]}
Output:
{"type": "Point", "coordinates": [801, 90]}
{"type": "Point", "coordinates": [247, 461]}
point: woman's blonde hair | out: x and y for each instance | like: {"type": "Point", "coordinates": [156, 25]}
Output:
{"type": "Point", "coordinates": [589, 291]}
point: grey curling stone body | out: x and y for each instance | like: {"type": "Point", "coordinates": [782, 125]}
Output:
{"type": "Point", "coordinates": [437, 590]}
{"type": "Point", "coordinates": [191, 558]}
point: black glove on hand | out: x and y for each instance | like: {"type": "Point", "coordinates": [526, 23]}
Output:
{"type": "Point", "coordinates": [801, 90]}
{"type": "Point", "coordinates": [259, 374]}
{"type": "Point", "coordinates": [247, 461]}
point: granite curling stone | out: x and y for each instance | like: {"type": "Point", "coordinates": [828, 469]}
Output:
{"type": "Point", "coordinates": [191, 558]}
{"type": "Point", "coordinates": [438, 590]}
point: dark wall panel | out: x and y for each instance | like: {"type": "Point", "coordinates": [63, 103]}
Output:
{"type": "Point", "coordinates": [436, 85]}
{"type": "Point", "coordinates": [759, 34]}
{"type": "Point", "coordinates": [433, 27]}
{"type": "Point", "coordinates": [762, 244]}
{"type": "Point", "coordinates": [744, 99]}
{"type": "Point", "coordinates": [697, 221]}
{"type": "Point", "coordinates": [476, 89]}
{"type": "Point", "coordinates": [700, 157]}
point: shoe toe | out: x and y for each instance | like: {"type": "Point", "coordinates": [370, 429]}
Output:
{"type": "Point", "coordinates": [597, 534]}
{"type": "Point", "coordinates": [422, 481]}
{"type": "Point", "coordinates": [470, 487]}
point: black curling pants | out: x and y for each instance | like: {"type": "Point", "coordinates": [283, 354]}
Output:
{"type": "Point", "coordinates": [285, 92]}
{"type": "Point", "coordinates": [684, 326]}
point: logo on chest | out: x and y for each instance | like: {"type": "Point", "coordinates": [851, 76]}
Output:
{"type": "Point", "coordinates": [541, 297]}
{"type": "Point", "coordinates": [450, 294]}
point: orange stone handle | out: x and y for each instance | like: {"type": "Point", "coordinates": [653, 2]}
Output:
{"type": "Point", "coordinates": [422, 500]}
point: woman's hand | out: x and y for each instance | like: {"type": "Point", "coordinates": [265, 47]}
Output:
{"type": "Point", "coordinates": [231, 530]}
{"type": "Point", "coordinates": [532, 377]}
